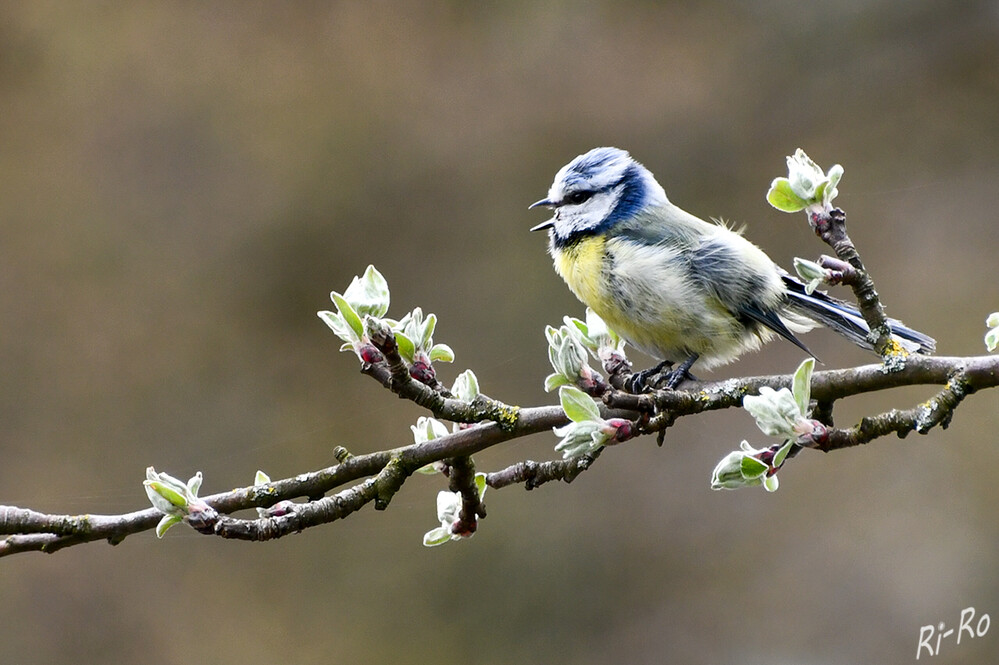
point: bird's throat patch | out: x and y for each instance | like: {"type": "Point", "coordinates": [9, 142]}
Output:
{"type": "Point", "coordinates": [581, 265]}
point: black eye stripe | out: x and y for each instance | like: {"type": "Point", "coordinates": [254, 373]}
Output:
{"type": "Point", "coordinates": [575, 198]}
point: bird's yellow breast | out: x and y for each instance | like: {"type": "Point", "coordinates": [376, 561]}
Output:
{"type": "Point", "coordinates": [581, 265]}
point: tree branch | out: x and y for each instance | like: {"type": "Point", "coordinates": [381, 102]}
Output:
{"type": "Point", "coordinates": [340, 490]}
{"type": "Point", "coordinates": [384, 472]}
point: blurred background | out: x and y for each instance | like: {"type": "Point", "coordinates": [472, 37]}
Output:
{"type": "Point", "coordinates": [182, 184]}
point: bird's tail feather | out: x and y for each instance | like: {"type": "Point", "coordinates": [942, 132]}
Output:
{"type": "Point", "coordinates": [845, 318]}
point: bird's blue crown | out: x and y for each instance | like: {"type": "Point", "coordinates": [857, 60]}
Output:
{"type": "Point", "coordinates": [598, 189]}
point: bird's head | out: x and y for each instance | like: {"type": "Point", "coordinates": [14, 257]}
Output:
{"type": "Point", "coordinates": [595, 191]}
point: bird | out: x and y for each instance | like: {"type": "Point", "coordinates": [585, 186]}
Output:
{"type": "Point", "coordinates": [677, 287]}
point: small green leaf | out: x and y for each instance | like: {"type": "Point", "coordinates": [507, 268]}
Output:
{"type": "Point", "coordinates": [834, 174]}
{"type": "Point", "coordinates": [441, 352]}
{"type": "Point", "coordinates": [571, 357]}
{"type": "Point", "coordinates": [480, 484]}
{"type": "Point", "coordinates": [830, 192]}
{"type": "Point", "coordinates": [781, 454]}
{"type": "Point", "coordinates": [553, 355]}
{"type": "Point", "coordinates": [406, 347]}
{"type": "Point", "coordinates": [583, 329]}
{"type": "Point", "coordinates": [770, 483]}
{"type": "Point", "coordinates": [820, 190]}
{"type": "Point", "coordinates": [194, 484]}
{"type": "Point", "coordinates": [782, 197]}
{"type": "Point", "coordinates": [578, 406]}
{"type": "Point", "coordinates": [335, 323]}
{"type": "Point", "coordinates": [428, 330]}
{"type": "Point", "coordinates": [553, 381]}
{"type": "Point", "coordinates": [553, 337]}
{"type": "Point", "coordinates": [261, 478]}
{"type": "Point", "coordinates": [752, 467]}
{"type": "Point", "coordinates": [802, 384]}
{"type": "Point", "coordinates": [992, 339]}
{"type": "Point", "coordinates": [437, 536]}
{"type": "Point", "coordinates": [348, 314]}
{"type": "Point", "coordinates": [173, 497]}
{"type": "Point", "coordinates": [166, 522]}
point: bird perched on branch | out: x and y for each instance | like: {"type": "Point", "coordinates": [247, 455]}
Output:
{"type": "Point", "coordinates": [673, 285]}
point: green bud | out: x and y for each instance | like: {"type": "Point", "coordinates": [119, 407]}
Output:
{"type": "Point", "coordinates": [776, 411]}
{"type": "Point", "coordinates": [567, 356]}
{"type": "Point", "coordinates": [449, 512]}
{"type": "Point", "coordinates": [176, 499]}
{"type": "Point", "coordinates": [594, 335]}
{"type": "Point", "coordinates": [414, 333]}
{"type": "Point", "coordinates": [427, 429]}
{"type": "Point", "coordinates": [803, 174]}
{"type": "Point", "coordinates": [581, 438]}
{"type": "Point", "coordinates": [811, 273]}
{"type": "Point", "coordinates": [748, 467]}
{"type": "Point", "coordinates": [805, 185]}
{"type": "Point", "coordinates": [992, 336]}
{"type": "Point", "coordinates": [368, 295]}
{"type": "Point", "coordinates": [738, 469]}
{"type": "Point", "coordinates": [166, 493]}
{"type": "Point", "coordinates": [466, 386]}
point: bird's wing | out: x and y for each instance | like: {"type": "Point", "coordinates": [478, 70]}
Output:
{"type": "Point", "coordinates": [743, 279]}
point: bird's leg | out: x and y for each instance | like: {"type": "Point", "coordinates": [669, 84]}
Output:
{"type": "Point", "coordinates": [681, 373]}
{"type": "Point", "coordinates": [638, 383]}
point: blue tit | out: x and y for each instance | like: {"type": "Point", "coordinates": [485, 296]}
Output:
{"type": "Point", "coordinates": [673, 285]}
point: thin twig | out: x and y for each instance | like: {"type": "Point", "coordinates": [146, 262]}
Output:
{"type": "Point", "coordinates": [830, 226]}
{"type": "Point", "coordinates": [461, 479]}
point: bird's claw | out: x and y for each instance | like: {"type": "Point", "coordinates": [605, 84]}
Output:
{"type": "Point", "coordinates": [647, 379]}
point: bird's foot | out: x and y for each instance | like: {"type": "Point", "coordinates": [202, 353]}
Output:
{"type": "Point", "coordinates": [662, 375]}
{"type": "Point", "coordinates": [647, 379]}
{"type": "Point", "coordinates": [682, 373]}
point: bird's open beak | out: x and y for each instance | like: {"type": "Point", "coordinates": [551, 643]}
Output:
{"type": "Point", "coordinates": [547, 224]}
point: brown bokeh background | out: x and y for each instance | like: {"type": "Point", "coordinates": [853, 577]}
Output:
{"type": "Point", "coordinates": [182, 184]}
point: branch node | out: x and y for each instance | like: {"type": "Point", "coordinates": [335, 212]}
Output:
{"type": "Point", "coordinates": [389, 480]}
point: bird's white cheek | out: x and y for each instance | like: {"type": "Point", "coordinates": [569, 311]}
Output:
{"type": "Point", "coordinates": [599, 207]}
